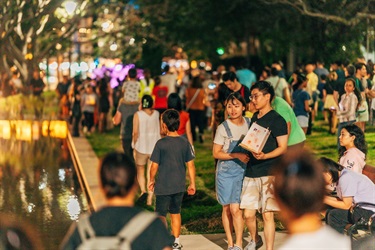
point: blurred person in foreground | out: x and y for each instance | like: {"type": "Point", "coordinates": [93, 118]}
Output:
{"type": "Point", "coordinates": [118, 182]}
{"type": "Point", "coordinates": [17, 234]}
{"type": "Point", "coordinates": [299, 192]}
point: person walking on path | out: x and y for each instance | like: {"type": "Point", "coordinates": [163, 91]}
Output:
{"type": "Point", "coordinates": [231, 165]}
{"type": "Point", "coordinates": [146, 132]}
{"type": "Point", "coordinates": [195, 105]}
{"type": "Point", "coordinates": [169, 159]}
{"type": "Point", "coordinates": [175, 102]}
{"type": "Point", "coordinates": [257, 189]}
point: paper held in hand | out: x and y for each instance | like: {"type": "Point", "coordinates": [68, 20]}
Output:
{"type": "Point", "coordinates": [255, 138]}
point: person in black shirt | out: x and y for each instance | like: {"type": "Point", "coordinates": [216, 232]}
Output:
{"type": "Point", "coordinates": [258, 184]}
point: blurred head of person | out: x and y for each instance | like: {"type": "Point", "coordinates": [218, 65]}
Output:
{"type": "Point", "coordinates": [147, 102]}
{"type": "Point", "coordinates": [299, 186]}
{"type": "Point", "coordinates": [17, 234]}
{"type": "Point", "coordinates": [174, 102]}
{"type": "Point", "coordinates": [118, 176]}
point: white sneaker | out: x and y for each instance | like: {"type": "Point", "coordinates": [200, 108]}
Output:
{"type": "Point", "coordinates": [176, 246]}
{"type": "Point", "coordinates": [251, 246]}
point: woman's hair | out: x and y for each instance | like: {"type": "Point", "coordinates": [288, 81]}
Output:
{"type": "Point", "coordinates": [265, 87]}
{"type": "Point", "coordinates": [171, 118]}
{"type": "Point", "coordinates": [147, 102]}
{"type": "Point", "coordinates": [299, 183]}
{"type": "Point", "coordinates": [229, 76]}
{"type": "Point", "coordinates": [301, 78]}
{"type": "Point", "coordinates": [157, 80]}
{"type": "Point", "coordinates": [174, 102]}
{"type": "Point", "coordinates": [223, 92]}
{"type": "Point", "coordinates": [235, 96]}
{"type": "Point", "coordinates": [359, 140]}
{"type": "Point", "coordinates": [356, 90]}
{"type": "Point", "coordinates": [117, 174]}
{"type": "Point", "coordinates": [331, 167]}
{"type": "Point", "coordinates": [196, 82]}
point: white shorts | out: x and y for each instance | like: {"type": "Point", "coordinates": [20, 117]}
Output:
{"type": "Point", "coordinates": [258, 194]}
{"type": "Point", "coordinates": [303, 121]}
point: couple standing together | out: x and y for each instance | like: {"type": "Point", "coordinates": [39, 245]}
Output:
{"type": "Point", "coordinates": [244, 184]}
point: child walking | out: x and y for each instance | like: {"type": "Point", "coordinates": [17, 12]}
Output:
{"type": "Point", "coordinates": [169, 159]}
{"type": "Point", "coordinates": [146, 132]}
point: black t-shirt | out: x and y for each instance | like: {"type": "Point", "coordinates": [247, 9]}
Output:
{"type": "Point", "coordinates": [37, 86]}
{"type": "Point", "coordinates": [172, 154]}
{"type": "Point", "coordinates": [276, 123]}
{"type": "Point", "coordinates": [110, 220]}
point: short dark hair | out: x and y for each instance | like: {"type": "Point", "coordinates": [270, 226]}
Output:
{"type": "Point", "coordinates": [132, 73]}
{"type": "Point", "coordinates": [299, 183]}
{"type": "Point", "coordinates": [147, 101]}
{"type": "Point", "coordinates": [359, 66]}
{"type": "Point", "coordinates": [171, 118]}
{"type": "Point", "coordinates": [117, 174]}
{"type": "Point", "coordinates": [229, 76]}
{"type": "Point", "coordinates": [265, 87]}
{"type": "Point", "coordinates": [331, 167]}
{"type": "Point", "coordinates": [174, 102]}
{"type": "Point", "coordinates": [351, 69]}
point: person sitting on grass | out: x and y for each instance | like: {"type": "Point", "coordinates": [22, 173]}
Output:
{"type": "Point", "coordinates": [352, 188]}
{"type": "Point", "coordinates": [353, 148]}
{"type": "Point", "coordinates": [169, 159]}
{"type": "Point", "coordinates": [299, 192]}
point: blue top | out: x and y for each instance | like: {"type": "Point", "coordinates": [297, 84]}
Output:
{"type": "Point", "coordinates": [299, 98]}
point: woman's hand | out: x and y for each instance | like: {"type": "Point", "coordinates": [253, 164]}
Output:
{"type": "Point", "coordinates": [243, 157]}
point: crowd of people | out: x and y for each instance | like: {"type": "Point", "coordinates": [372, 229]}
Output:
{"type": "Point", "coordinates": [162, 117]}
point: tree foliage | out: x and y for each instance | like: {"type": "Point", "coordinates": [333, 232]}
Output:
{"type": "Point", "coordinates": [31, 29]}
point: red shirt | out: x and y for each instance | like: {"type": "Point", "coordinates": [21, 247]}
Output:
{"type": "Point", "coordinates": [184, 118]}
{"type": "Point", "coordinates": [160, 94]}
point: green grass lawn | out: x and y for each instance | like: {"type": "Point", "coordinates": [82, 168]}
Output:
{"type": "Point", "coordinates": [201, 213]}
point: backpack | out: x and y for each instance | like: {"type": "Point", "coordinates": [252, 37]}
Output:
{"type": "Point", "coordinates": [122, 240]}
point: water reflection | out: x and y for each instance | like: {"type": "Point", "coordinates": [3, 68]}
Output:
{"type": "Point", "coordinates": [37, 179]}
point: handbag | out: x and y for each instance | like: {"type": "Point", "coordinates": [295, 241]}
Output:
{"type": "Point", "coordinates": [255, 138]}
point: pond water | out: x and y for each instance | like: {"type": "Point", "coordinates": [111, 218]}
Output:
{"type": "Point", "coordinates": [38, 183]}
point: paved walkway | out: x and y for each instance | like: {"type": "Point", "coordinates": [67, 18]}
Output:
{"type": "Point", "coordinates": [88, 163]}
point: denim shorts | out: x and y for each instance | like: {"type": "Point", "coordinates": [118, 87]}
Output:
{"type": "Point", "coordinates": [229, 177]}
{"type": "Point", "coordinates": [169, 203]}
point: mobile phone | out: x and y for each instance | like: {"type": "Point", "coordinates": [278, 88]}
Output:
{"type": "Point", "coordinates": [211, 85]}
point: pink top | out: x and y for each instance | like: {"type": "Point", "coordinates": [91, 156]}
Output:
{"type": "Point", "coordinates": [353, 159]}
